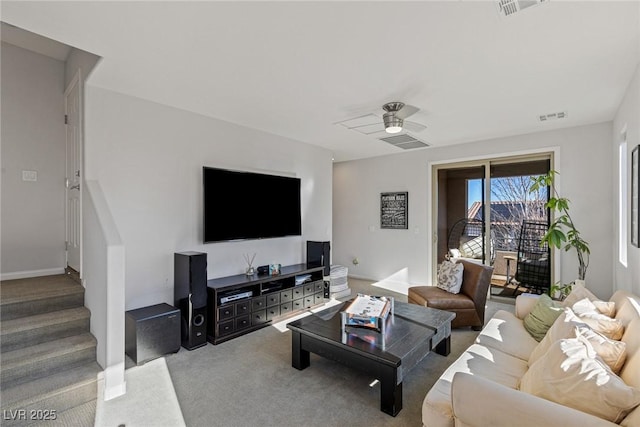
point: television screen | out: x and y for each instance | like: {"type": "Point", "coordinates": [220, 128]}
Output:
{"type": "Point", "coordinates": [247, 205]}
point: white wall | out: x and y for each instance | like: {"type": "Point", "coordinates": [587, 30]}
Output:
{"type": "Point", "coordinates": [79, 60]}
{"type": "Point", "coordinates": [148, 159]}
{"type": "Point", "coordinates": [584, 163]}
{"type": "Point", "coordinates": [628, 116]}
{"type": "Point", "coordinates": [33, 138]}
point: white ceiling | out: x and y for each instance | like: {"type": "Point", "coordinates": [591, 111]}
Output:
{"type": "Point", "coordinates": [296, 68]}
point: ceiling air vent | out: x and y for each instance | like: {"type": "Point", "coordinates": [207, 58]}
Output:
{"type": "Point", "coordinates": [553, 116]}
{"type": "Point", "coordinates": [510, 7]}
{"type": "Point", "coordinates": [404, 141]}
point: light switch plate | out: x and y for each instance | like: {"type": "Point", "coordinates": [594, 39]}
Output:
{"type": "Point", "coordinates": [29, 175]}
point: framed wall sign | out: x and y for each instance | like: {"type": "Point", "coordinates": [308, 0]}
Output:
{"type": "Point", "coordinates": [635, 210]}
{"type": "Point", "coordinates": [394, 210]}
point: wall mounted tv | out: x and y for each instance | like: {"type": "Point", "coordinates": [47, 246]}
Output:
{"type": "Point", "coordinates": [247, 205]}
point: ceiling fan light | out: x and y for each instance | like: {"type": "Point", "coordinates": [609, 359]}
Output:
{"type": "Point", "coordinates": [392, 124]}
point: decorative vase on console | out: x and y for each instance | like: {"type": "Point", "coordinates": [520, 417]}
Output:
{"type": "Point", "coordinates": [250, 270]}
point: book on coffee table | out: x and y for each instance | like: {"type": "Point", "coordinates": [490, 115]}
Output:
{"type": "Point", "coordinates": [368, 311]}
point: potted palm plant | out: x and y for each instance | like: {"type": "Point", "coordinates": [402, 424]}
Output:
{"type": "Point", "coordinates": [562, 233]}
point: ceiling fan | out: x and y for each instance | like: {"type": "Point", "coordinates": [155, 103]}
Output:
{"type": "Point", "coordinates": [395, 115]}
{"type": "Point", "coordinates": [393, 120]}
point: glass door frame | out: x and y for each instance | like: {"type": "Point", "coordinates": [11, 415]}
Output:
{"type": "Point", "coordinates": [552, 154]}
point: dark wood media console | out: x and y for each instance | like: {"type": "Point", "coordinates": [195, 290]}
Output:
{"type": "Point", "coordinates": [272, 298]}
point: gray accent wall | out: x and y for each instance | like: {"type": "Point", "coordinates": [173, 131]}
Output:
{"type": "Point", "coordinates": [33, 139]}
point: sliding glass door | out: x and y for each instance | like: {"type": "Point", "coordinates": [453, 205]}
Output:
{"type": "Point", "coordinates": [480, 210]}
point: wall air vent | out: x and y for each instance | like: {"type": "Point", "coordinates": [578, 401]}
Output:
{"type": "Point", "coordinates": [404, 141]}
{"type": "Point", "coordinates": [553, 116]}
{"type": "Point", "coordinates": [510, 7]}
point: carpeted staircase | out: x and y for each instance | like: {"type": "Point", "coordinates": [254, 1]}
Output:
{"type": "Point", "coordinates": [48, 368]}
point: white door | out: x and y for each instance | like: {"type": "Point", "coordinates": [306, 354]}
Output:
{"type": "Point", "coordinates": [73, 193]}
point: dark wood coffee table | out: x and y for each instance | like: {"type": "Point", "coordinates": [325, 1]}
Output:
{"type": "Point", "coordinates": [411, 334]}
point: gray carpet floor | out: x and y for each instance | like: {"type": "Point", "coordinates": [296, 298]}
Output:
{"type": "Point", "coordinates": [249, 381]}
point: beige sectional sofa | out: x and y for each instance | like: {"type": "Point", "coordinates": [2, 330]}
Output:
{"type": "Point", "coordinates": [481, 387]}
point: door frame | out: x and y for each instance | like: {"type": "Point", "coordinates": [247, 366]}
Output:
{"type": "Point", "coordinates": [76, 80]}
{"type": "Point", "coordinates": [483, 160]}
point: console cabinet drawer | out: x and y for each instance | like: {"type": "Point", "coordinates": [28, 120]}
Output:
{"type": "Point", "coordinates": [309, 288]}
{"type": "Point", "coordinates": [243, 307]}
{"type": "Point", "coordinates": [226, 312]}
{"type": "Point", "coordinates": [258, 317]}
{"type": "Point", "coordinates": [297, 292]}
{"type": "Point", "coordinates": [286, 308]}
{"type": "Point", "coordinates": [319, 298]}
{"type": "Point", "coordinates": [273, 299]}
{"type": "Point", "coordinates": [273, 312]}
{"type": "Point", "coordinates": [286, 296]}
{"type": "Point", "coordinates": [258, 303]}
{"type": "Point", "coordinates": [243, 322]}
{"type": "Point", "coordinates": [298, 304]}
{"type": "Point", "coordinates": [319, 286]}
{"type": "Point", "coordinates": [309, 301]}
{"type": "Point", "coordinates": [226, 327]}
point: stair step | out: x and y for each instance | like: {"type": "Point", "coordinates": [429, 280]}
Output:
{"type": "Point", "coordinates": [29, 297]}
{"type": "Point", "coordinates": [62, 393]}
{"type": "Point", "coordinates": [83, 415]}
{"type": "Point", "coordinates": [32, 330]}
{"type": "Point", "coordinates": [30, 363]}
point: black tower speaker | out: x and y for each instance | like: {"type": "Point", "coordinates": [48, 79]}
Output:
{"type": "Point", "coordinates": [318, 254]}
{"type": "Point", "coordinates": [190, 296]}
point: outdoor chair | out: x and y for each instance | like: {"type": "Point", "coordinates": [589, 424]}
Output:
{"type": "Point", "coordinates": [533, 265]}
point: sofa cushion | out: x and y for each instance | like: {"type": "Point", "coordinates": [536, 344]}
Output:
{"type": "Point", "coordinates": [450, 276]}
{"type": "Point", "coordinates": [586, 311]}
{"type": "Point", "coordinates": [525, 303]}
{"type": "Point", "coordinates": [505, 332]}
{"type": "Point", "coordinates": [568, 325]}
{"type": "Point", "coordinates": [579, 292]}
{"type": "Point", "coordinates": [545, 312]}
{"type": "Point", "coordinates": [630, 372]}
{"type": "Point", "coordinates": [628, 307]}
{"type": "Point", "coordinates": [434, 297]}
{"type": "Point", "coordinates": [486, 362]}
{"type": "Point", "coordinates": [570, 373]}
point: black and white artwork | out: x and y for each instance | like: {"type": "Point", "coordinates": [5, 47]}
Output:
{"type": "Point", "coordinates": [394, 210]}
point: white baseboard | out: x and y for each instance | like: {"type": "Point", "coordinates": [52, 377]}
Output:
{"type": "Point", "coordinates": [32, 273]}
{"type": "Point", "coordinates": [355, 276]}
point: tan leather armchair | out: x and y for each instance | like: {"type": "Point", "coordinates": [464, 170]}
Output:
{"type": "Point", "coordinates": [468, 304]}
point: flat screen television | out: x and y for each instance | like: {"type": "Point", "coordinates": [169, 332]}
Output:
{"type": "Point", "coordinates": [247, 205]}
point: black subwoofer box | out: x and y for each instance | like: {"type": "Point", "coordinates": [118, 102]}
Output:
{"type": "Point", "coordinates": [190, 296]}
{"type": "Point", "coordinates": [151, 332]}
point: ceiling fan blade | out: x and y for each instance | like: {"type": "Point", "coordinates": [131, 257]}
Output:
{"type": "Point", "coordinates": [413, 126]}
{"type": "Point", "coordinates": [406, 111]}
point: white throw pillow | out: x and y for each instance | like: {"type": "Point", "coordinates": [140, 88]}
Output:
{"type": "Point", "coordinates": [587, 312]}
{"type": "Point", "coordinates": [571, 374]}
{"type": "Point", "coordinates": [455, 253]}
{"type": "Point", "coordinates": [568, 325]}
{"type": "Point", "coordinates": [472, 248]}
{"type": "Point", "coordinates": [579, 292]}
{"type": "Point", "coordinates": [450, 276]}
